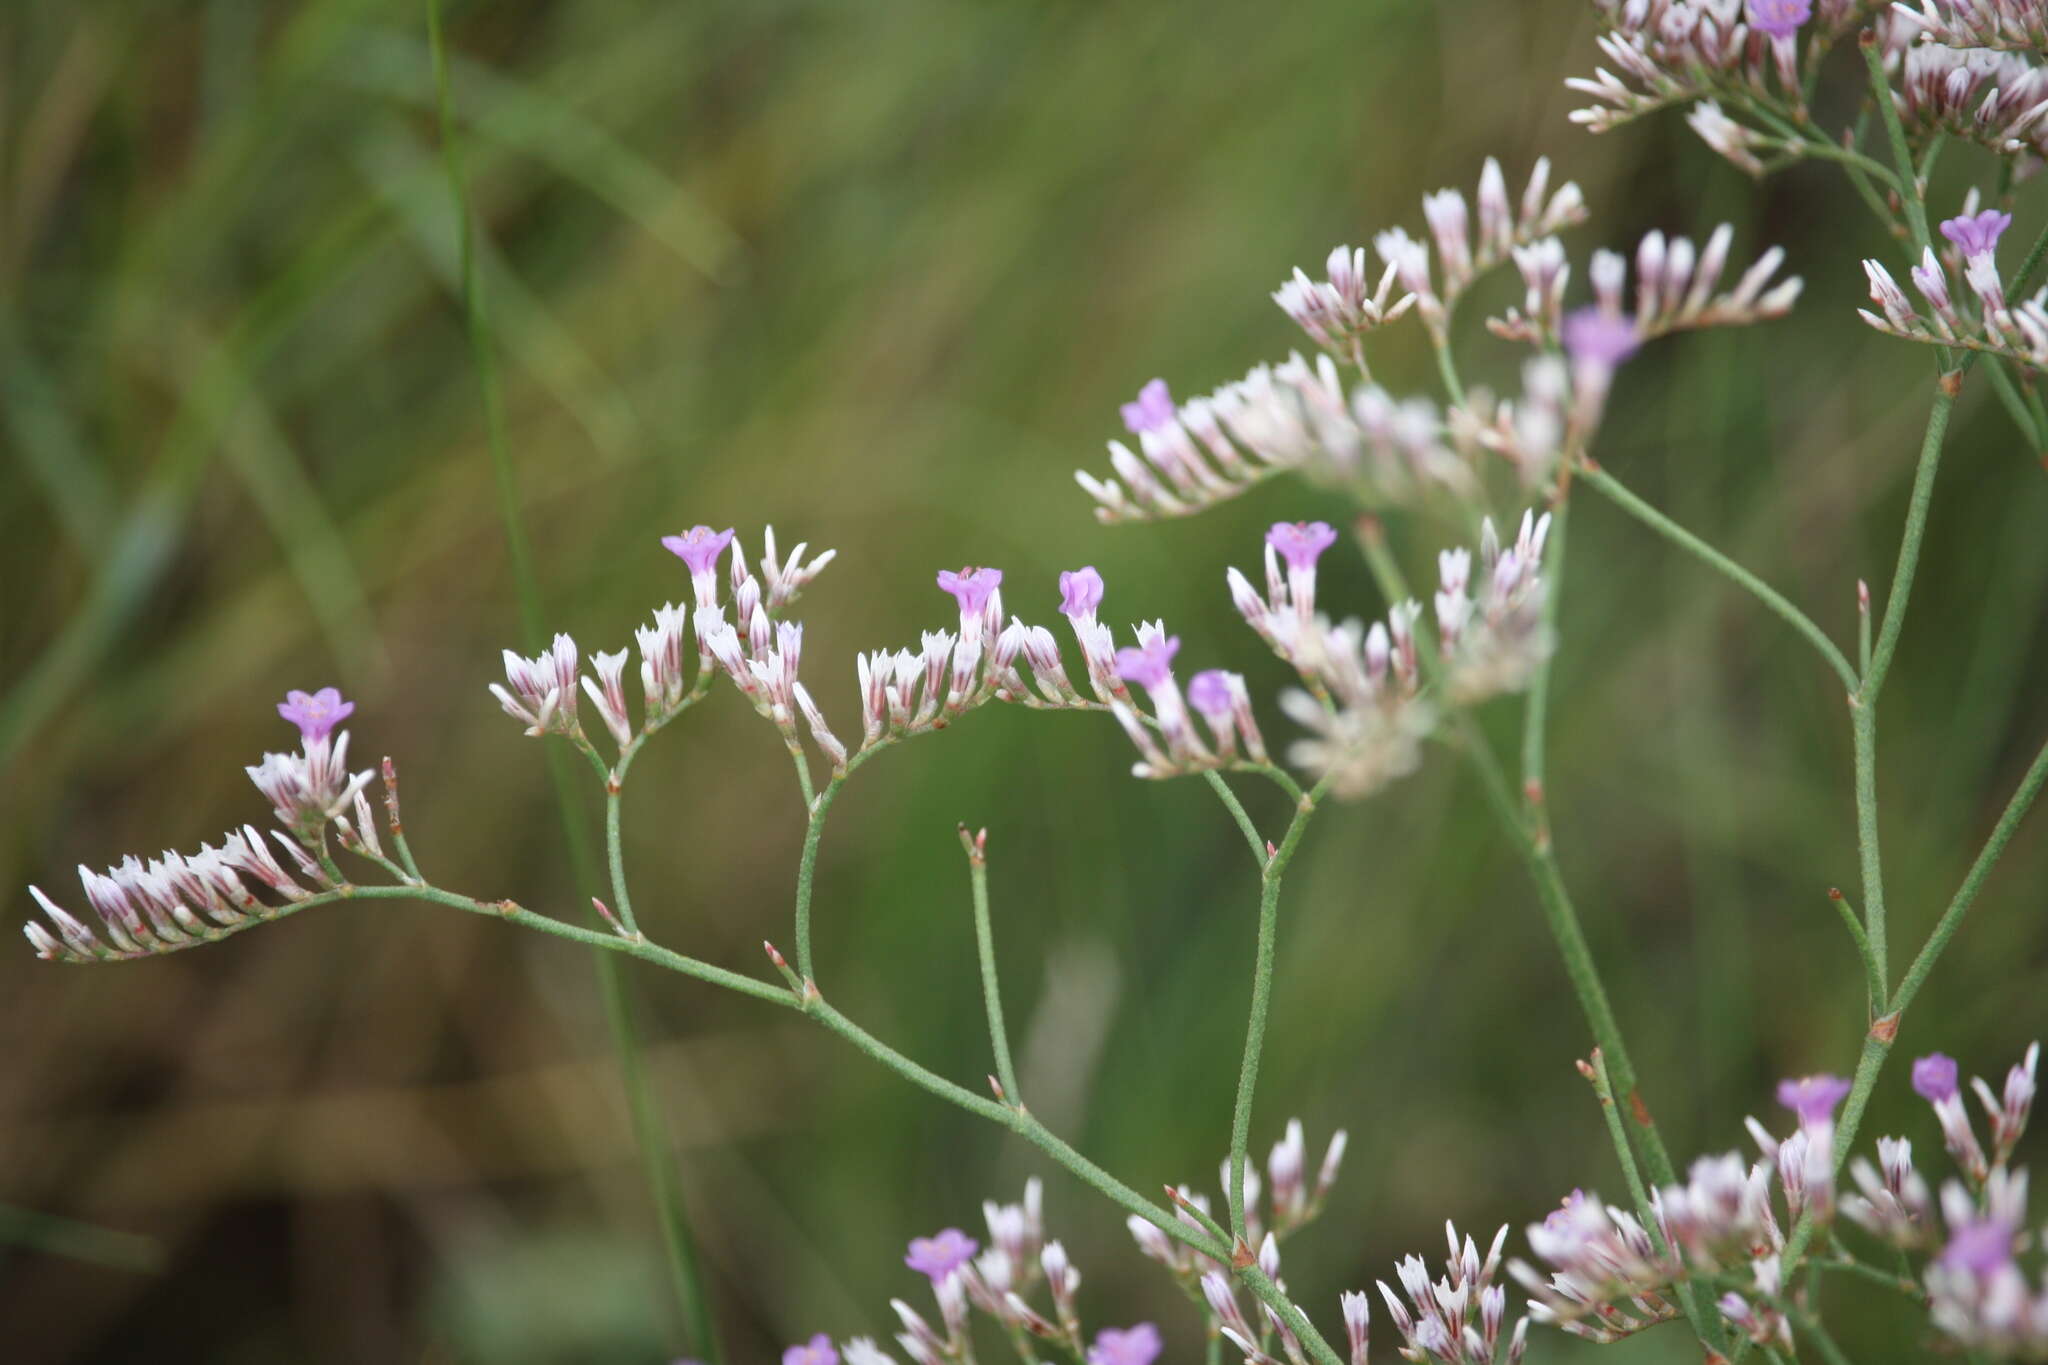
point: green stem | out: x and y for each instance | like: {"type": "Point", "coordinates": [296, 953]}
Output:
{"type": "Point", "coordinates": [1446, 363]}
{"type": "Point", "coordinates": [622, 902]}
{"type": "Point", "coordinates": [1873, 978]}
{"type": "Point", "coordinates": [807, 866]}
{"type": "Point", "coordinates": [1603, 1090]}
{"type": "Point", "coordinates": [1902, 156]}
{"type": "Point", "coordinates": [686, 1279]}
{"type": "Point", "coordinates": [2015, 406]}
{"type": "Point", "coordinates": [1642, 511]}
{"type": "Point", "coordinates": [1237, 813]}
{"type": "Point", "coordinates": [991, 990]}
{"type": "Point", "coordinates": [1274, 869]}
{"type": "Point", "coordinates": [1952, 918]}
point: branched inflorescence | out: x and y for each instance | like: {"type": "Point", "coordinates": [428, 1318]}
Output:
{"type": "Point", "coordinates": [1734, 1246]}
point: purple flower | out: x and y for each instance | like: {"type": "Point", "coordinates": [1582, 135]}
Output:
{"type": "Point", "coordinates": [1779, 18]}
{"type": "Point", "coordinates": [818, 1351]}
{"type": "Point", "coordinates": [941, 1254]}
{"type": "Point", "coordinates": [1934, 1078]}
{"type": "Point", "coordinates": [1977, 235]}
{"type": "Point", "coordinates": [1125, 1346]}
{"type": "Point", "coordinates": [1153, 410]}
{"type": "Point", "coordinates": [1080, 592]}
{"type": "Point", "coordinates": [699, 547]}
{"type": "Point", "coordinates": [1301, 543]}
{"type": "Point", "coordinates": [1597, 338]}
{"type": "Point", "coordinates": [1813, 1098]}
{"type": "Point", "coordinates": [1209, 692]}
{"type": "Point", "coordinates": [1980, 1247]}
{"type": "Point", "coordinates": [317, 715]}
{"type": "Point", "coordinates": [1150, 664]}
{"type": "Point", "coordinates": [971, 587]}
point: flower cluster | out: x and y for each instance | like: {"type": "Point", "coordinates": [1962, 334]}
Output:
{"type": "Point", "coordinates": [2020, 25]}
{"type": "Point", "coordinates": [179, 900]}
{"type": "Point", "coordinates": [2017, 330]}
{"type": "Point", "coordinates": [1363, 702]}
{"type": "Point", "coordinates": [998, 1283]}
{"type": "Point", "coordinates": [1456, 1319]}
{"type": "Point", "coordinates": [1273, 1210]}
{"type": "Point", "coordinates": [1666, 52]}
{"type": "Point", "coordinates": [1675, 286]}
{"type": "Point", "coordinates": [1977, 1292]}
{"type": "Point", "coordinates": [1298, 415]}
{"type": "Point", "coordinates": [1503, 232]}
{"type": "Point", "coordinates": [757, 652]}
{"type": "Point", "coordinates": [1612, 1274]}
{"type": "Point", "coordinates": [1991, 95]}
{"type": "Point", "coordinates": [1197, 454]}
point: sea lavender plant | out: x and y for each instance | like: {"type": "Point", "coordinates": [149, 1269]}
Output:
{"type": "Point", "coordinates": [1735, 1247]}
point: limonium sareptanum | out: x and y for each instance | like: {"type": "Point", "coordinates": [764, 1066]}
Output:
{"type": "Point", "coordinates": [1727, 1245]}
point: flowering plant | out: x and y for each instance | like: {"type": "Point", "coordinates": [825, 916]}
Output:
{"type": "Point", "coordinates": [1734, 1249]}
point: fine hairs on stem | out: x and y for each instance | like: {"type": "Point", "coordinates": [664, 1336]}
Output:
{"type": "Point", "coordinates": [1732, 1250]}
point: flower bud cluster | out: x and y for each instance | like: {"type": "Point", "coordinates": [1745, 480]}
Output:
{"type": "Point", "coordinates": [1493, 636]}
{"type": "Point", "coordinates": [178, 900]}
{"type": "Point", "coordinates": [2018, 25]}
{"type": "Point", "coordinates": [999, 1283]}
{"type": "Point", "coordinates": [1503, 230]}
{"type": "Point", "coordinates": [1612, 1276]}
{"type": "Point", "coordinates": [1665, 52]}
{"type": "Point", "coordinates": [1457, 1318]}
{"type": "Point", "coordinates": [1210, 449]}
{"type": "Point", "coordinates": [1996, 98]}
{"type": "Point", "coordinates": [1292, 1201]}
{"type": "Point", "coordinates": [2017, 330]}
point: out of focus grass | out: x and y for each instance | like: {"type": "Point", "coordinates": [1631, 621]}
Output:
{"type": "Point", "coordinates": [879, 276]}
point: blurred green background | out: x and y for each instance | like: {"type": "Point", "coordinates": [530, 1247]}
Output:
{"type": "Point", "coordinates": [880, 275]}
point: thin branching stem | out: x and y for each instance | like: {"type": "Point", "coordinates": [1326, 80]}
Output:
{"type": "Point", "coordinates": [985, 944]}
{"type": "Point", "coordinates": [1275, 867]}
{"type": "Point", "coordinates": [1619, 493]}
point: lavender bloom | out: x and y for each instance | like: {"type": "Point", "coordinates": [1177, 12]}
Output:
{"type": "Point", "coordinates": [1813, 1098]}
{"type": "Point", "coordinates": [1980, 1246]}
{"type": "Point", "coordinates": [1934, 1080]}
{"type": "Point", "coordinates": [699, 548]}
{"type": "Point", "coordinates": [941, 1254]}
{"type": "Point", "coordinates": [309, 788]}
{"type": "Point", "coordinates": [817, 1351]}
{"type": "Point", "coordinates": [1153, 409]}
{"type": "Point", "coordinates": [1599, 339]}
{"type": "Point", "coordinates": [1779, 18]}
{"type": "Point", "coordinates": [1301, 543]}
{"type": "Point", "coordinates": [1977, 234]}
{"type": "Point", "coordinates": [1139, 1345]}
{"type": "Point", "coordinates": [1080, 593]}
{"type": "Point", "coordinates": [975, 589]}
{"type": "Point", "coordinates": [315, 715]}
{"type": "Point", "coordinates": [1150, 665]}
{"type": "Point", "coordinates": [1934, 1077]}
